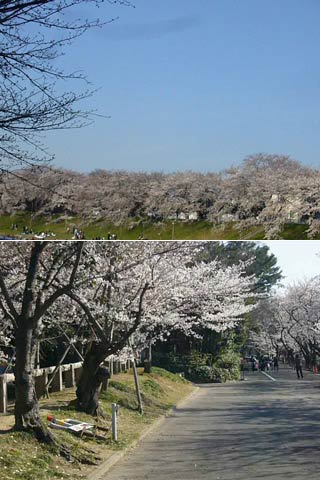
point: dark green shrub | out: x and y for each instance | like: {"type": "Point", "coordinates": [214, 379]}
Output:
{"type": "Point", "coordinates": [204, 367]}
{"type": "Point", "coordinates": [206, 374]}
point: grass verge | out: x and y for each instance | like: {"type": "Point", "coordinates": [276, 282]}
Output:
{"type": "Point", "coordinates": [23, 458]}
{"type": "Point", "coordinates": [132, 230]}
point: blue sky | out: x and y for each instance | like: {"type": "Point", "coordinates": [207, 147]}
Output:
{"type": "Point", "coordinates": [198, 85]}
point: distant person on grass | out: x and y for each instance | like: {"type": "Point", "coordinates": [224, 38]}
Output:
{"type": "Point", "coordinates": [297, 362]}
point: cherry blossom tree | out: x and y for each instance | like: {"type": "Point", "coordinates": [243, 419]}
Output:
{"type": "Point", "coordinates": [267, 190]}
{"type": "Point", "coordinates": [290, 321]}
{"type": "Point", "coordinates": [124, 289]}
{"type": "Point", "coordinates": [32, 278]}
{"type": "Point", "coordinates": [164, 289]}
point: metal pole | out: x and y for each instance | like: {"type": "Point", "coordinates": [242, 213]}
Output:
{"type": "Point", "coordinates": [114, 422]}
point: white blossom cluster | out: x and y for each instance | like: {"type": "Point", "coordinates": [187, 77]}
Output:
{"type": "Point", "coordinates": [268, 190]}
{"type": "Point", "coordinates": [139, 290]}
{"type": "Point", "coordinates": [290, 320]}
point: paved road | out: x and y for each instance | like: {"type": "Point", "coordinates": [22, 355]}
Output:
{"type": "Point", "coordinates": [251, 430]}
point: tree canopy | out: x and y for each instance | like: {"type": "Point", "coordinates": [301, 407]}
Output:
{"type": "Point", "coordinates": [267, 190]}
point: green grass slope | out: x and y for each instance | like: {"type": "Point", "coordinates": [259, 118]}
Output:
{"type": "Point", "coordinates": [23, 458]}
{"type": "Point", "coordinates": [133, 230]}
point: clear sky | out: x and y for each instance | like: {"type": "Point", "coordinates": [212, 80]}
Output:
{"type": "Point", "coordinates": [198, 85]}
{"type": "Point", "coordinates": [298, 259]}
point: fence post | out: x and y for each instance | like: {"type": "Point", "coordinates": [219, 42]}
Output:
{"type": "Point", "coordinates": [70, 377]}
{"type": "Point", "coordinates": [57, 383]}
{"type": "Point", "coordinates": [3, 394]}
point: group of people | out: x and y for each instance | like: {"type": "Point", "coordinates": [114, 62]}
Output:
{"type": "Point", "coordinates": [112, 236]}
{"type": "Point", "coordinates": [264, 363]}
{"type": "Point", "coordinates": [28, 231]}
{"type": "Point", "coordinates": [77, 234]}
{"type": "Point", "coordinates": [268, 363]}
{"type": "Point", "coordinates": [43, 235]}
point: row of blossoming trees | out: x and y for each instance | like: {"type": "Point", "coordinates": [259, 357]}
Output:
{"type": "Point", "coordinates": [121, 291]}
{"type": "Point", "coordinates": [289, 322]}
{"type": "Point", "coordinates": [268, 190]}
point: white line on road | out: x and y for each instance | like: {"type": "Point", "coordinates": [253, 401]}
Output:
{"type": "Point", "coordinates": [269, 376]}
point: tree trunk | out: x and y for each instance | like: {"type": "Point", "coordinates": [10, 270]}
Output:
{"type": "Point", "coordinates": [90, 382]}
{"type": "Point", "coordinates": [137, 385]}
{"type": "Point", "coordinates": [27, 416]}
{"type": "Point", "coordinates": [148, 360]}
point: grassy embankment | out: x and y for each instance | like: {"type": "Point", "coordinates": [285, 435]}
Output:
{"type": "Point", "coordinates": [22, 458]}
{"type": "Point", "coordinates": [199, 230]}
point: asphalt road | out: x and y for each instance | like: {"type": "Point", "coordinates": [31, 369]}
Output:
{"type": "Point", "coordinates": [249, 430]}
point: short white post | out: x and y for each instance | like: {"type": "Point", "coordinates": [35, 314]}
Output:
{"type": "Point", "coordinates": [3, 394]}
{"type": "Point", "coordinates": [57, 381]}
{"type": "Point", "coordinates": [115, 410]}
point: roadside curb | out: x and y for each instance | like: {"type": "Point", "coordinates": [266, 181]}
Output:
{"type": "Point", "coordinates": [104, 468]}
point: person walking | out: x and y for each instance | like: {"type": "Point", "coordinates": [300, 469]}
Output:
{"type": "Point", "coordinates": [253, 363]}
{"type": "Point", "coordinates": [297, 362]}
{"type": "Point", "coordinates": [275, 364]}
{"type": "Point", "coordinates": [242, 366]}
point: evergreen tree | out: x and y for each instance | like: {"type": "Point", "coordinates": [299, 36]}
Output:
{"type": "Point", "coordinates": [263, 263]}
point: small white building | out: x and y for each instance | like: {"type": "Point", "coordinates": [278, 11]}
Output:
{"type": "Point", "coordinates": [193, 216]}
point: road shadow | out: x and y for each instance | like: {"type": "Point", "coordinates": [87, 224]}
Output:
{"type": "Point", "coordinates": [249, 430]}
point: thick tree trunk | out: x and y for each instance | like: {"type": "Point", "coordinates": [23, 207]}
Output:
{"type": "Point", "coordinates": [27, 416]}
{"type": "Point", "coordinates": [90, 382]}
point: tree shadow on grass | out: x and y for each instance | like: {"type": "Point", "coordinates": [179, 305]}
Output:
{"type": "Point", "coordinates": [5, 432]}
